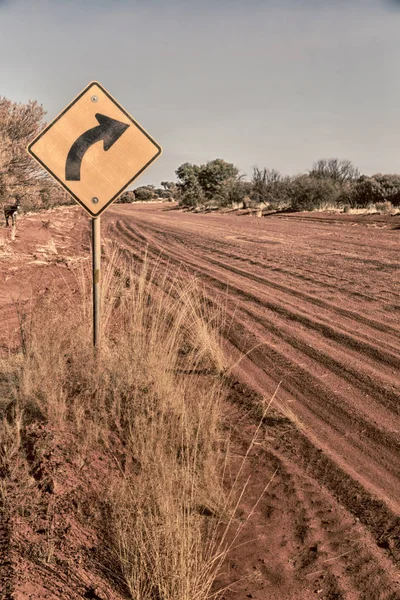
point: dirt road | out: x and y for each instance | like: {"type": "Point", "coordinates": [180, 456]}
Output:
{"type": "Point", "coordinates": [314, 301]}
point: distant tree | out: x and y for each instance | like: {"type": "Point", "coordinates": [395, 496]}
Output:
{"type": "Point", "coordinates": [366, 190]}
{"type": "Point", "coordinates": [127, 197]}
{"type": "Point", "coordinates": [163, 193]}
{"type": "Point", "coordinates": [377, 188]}
{"type": "Point", "coordinates": [170, 189]}
{"type": "Point", "coordinates": [188, 187]}
{"type": "Point", "coordinates": [390, 187]}
{"type": "Point", "coordinates": [310, 193]}
{"type": "Point", "coordinates": [19, 123]}
{"type": "Point", "coordinates": [263, 180]}
{"type": "Point", "coordinates": [232, 192]}
{"type": "Point", "coordinates": [168, 185]}
{"type": "Point", "coordinates": [211, 182]}
{"type": "Point", "coordinates": [237, 192]}
{"type": "Point", "coordinates": [269, 187]}
{"type": "Point", "coordinates": [192, 196]}
{"type": "Point", "coordinates": [214, 175]}
{"type": "Point", "coordinates": [145, 192]}
{"type": "Point", "coordinates": [19, 173]}
{"type": "Point", "coordinates": [335, 169]}
{"type": "Point", "coordinates": [188, 176]}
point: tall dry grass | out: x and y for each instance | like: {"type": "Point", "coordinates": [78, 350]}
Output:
{"type": "Point", "coordinates": [155, 385]}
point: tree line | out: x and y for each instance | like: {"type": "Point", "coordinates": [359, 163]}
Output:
{"type": "Point", "coordinates": [330, 182]}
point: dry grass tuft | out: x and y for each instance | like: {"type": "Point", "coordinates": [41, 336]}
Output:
{"type": "Point", "coordinates": [151, 399]}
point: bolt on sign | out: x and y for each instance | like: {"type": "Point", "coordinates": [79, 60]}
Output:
{"type": "Point", "coordinates": [94, 149]}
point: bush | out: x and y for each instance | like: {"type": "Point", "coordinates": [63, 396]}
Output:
{"type": "Point", "coordinates": [19, 123]}
{"type": "Point", "coordinates": [233, 193]}
{"type": "Point", "coordinates": [127, 197]}
{"type": "Point", "coordinates": [365, 191]}
{"type": "Point", "coordinates": [192, 197]}
{"type": "Point", "coordinates": [335, 169]}
{"type": "Point", "coordinates": [270, 188]}
{"type": "Point", "coordinates": [375, 189]}
{"type": "Point", "coordinates": [19, 173]}
{"type": "Point", "coordinates": [214, 176]}
{"type": "Point", "coordinates": [311, 193]}
{"type": "Point", "coordinates": [162, 193]}
{"type": "Point", "coordinates": [144, 193]}
{"type": "Point", "coordinates": [389, 187]}
{"type": "Point", "coordinates": [213, 182]}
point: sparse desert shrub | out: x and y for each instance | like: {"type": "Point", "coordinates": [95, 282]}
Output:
{"type": "Point", "coordinates": [389, 187]}
{"type": "Point", "coordinates": [19, 173]}
{"type": "Point", "coordinates": [127, 197]}
{"type": "Point", "coordinates": [215, 175]}
{"type": "Point", "coordinates": [378, 188]}
{"type": "Point", "coordinates": [215, 183]}
{"type": "Point", "coordinates": [19, 123]}
{"type": "Point", "coordinates": [144, 193]}
{"type": "Point", "coordinates": [270, 188]}
{"type": "Point", "coordinates": [170, 189]}
{"type": "Point", "coordinates": [338, 170]}
{"type": "Point", "coordinates": [233, 193]}
{"type": "Point", "coordinates": [192, 198]}
{"type": "Point", "coordinates": [310, 193]}
{"type": "Point", "coordinates": [366, 191]}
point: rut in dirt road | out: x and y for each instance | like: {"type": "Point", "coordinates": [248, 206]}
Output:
{"type": "Point", "coordinates": [307, 542]}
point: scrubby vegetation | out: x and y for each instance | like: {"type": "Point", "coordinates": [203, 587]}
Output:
{"type": "Point", "coordinates": [145, 193]}
{"type": "Point", "coordinates": [331, 183]}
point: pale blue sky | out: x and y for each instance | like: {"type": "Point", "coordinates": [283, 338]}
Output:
{"type": "Point", "coordinates": [276, 83]}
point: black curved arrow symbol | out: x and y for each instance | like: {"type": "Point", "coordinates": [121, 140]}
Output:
{"type": "Point", "coordinates": [109, 130]}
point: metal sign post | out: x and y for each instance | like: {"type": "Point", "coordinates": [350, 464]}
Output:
{"type": "Point", "coordinates": [96, 258]}
{"type": "Point", "coordinates": [94, 149]}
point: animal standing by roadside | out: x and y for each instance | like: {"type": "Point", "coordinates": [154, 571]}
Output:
{"type": "Point", "coordinates": [10, 210]}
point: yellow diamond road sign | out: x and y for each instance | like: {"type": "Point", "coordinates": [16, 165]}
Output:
{"type": "Point", "coordinates": [94, 149]}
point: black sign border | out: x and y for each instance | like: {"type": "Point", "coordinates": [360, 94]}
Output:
{"type": "Point", "coordinates": [66, 109]}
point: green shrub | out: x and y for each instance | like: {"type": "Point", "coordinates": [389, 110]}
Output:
{"type": "Point", "coordinates": [144, 193]}
{"type": "Point", "coordinates": [311, 193]}
{"type": "Point", "coordinates": [127, 197]}
{"type": "Point", "coordinates": [375, 189]}
{"type": "Point", "coordinates": [270, 188]}
{"type": "Point", "coordinates": [215, 182]}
